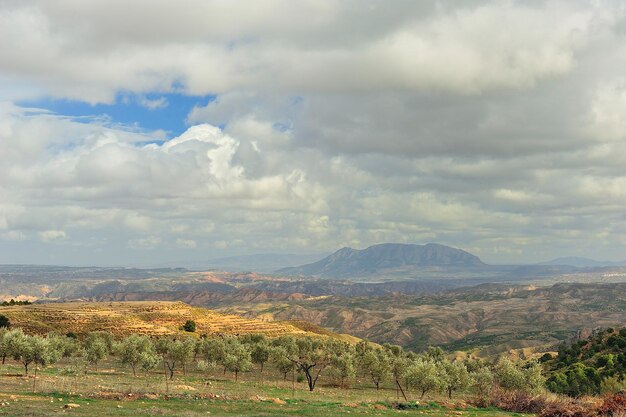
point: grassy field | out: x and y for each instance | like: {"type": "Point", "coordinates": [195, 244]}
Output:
{"type": "Point", "coordinates": [113, 391]}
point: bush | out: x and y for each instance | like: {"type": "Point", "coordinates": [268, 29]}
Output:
{"type": "Point", "coordinates": [4, 321]}
{"type": "Point", "coordinates": [189, 326]}
{"type": "Point", "coordinates": [612, 385]}
{"type": "Point", "coordinates": [614, 405]}
{"type": "Point", "coordinates": [542, 405]}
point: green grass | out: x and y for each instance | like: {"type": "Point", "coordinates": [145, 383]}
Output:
{"type": "Point", "coordinates": [113, 391]}
{"type": "Point", "coordinates": [39, 405]}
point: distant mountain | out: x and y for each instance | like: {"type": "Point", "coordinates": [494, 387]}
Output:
{"type": "Point", "coordinates": [579, 262]}
{"type": "Point", "coordinates": [387, 257]}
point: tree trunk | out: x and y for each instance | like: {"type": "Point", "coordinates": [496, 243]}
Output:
{"type": "Point", "coordinates": [309, 378]}
{"type": "Point", "coordinates": [167, 385]}
{"type": "Point", "coordinates": [401, 390]}
{"type": "Point", "coordinates": [236, 375]}
{"type": "Point", "coordinates": [170, 368]}
{"type": "Point", "coordinates": [35, 379]}
{"type": "Point", "coordinates": [133, 367]}
{"type": "Point", "coordinates": [25, 368]}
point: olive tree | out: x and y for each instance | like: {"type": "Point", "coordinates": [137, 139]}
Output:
{"type": "Point", "coordinates": [508, 375]}
{"type": "Point", "coordinates": [342, 366]}
{"type": "Point", "coordinates": [211, 350]}
{"type": "Point", "coordinates": [399, 363]}
{"type": "Point", "coordinates": [19, 347]}
{"type": "Point", "coordinates": [35, 350]}
{"type": "Point", "coordinates": [95, 351]}
{"type": "Point", "coordinates": [280, 357]}
{"type": "Point", "coordinates": [63, 346]}
{"type": "Point", "coordinates": [309, 355]}
{"type": "Point", "coordinates": [5, 337]}
{"type": "Point", "coordinates": [134, 350]}
{"type": "Point", "coordinates": [377, 364]}
{"type": "Point", "coordinates": [237, 358]}
{"type": "Point", "coordinates": [174, 353]}
{"type": "Point", "coordinates": [482, 382]}
{"type": "Point", "coordinates": [260, 353]}
{"type": "Point", "coordinates": [424, 375]}
{"type": "Point", "coordinates": [455, 377]}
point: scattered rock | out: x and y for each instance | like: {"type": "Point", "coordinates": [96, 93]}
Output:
{"type": "Point", "coordinates": [185, 388]}
{"type": "Point", "coordinates": [278, 401]}
{"type": "Point", "coordinates": [71, 405]}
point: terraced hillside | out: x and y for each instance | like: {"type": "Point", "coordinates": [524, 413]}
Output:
{"type": "Point", "coordinates": [123, 318]}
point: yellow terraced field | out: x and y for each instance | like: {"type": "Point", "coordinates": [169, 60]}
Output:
{"type": "Point", "coordinates": [122, 318]}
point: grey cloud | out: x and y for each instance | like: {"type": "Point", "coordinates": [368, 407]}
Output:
{"type": "Point", "coordinates": [494, 126]}
{"type": "Point", "coordinates": [91, 51]}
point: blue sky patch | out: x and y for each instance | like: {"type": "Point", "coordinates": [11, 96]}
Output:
{"type": "Point", "coordinates": [148, 112]}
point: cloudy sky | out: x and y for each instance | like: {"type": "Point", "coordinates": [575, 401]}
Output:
{"type": "Point", "coordinates": [144, 132]}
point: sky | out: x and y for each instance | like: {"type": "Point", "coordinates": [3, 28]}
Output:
{"type": "Point", "coordinates": [151, 132]}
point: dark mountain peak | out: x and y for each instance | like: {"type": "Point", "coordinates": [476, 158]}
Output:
{"type": "Point", "coordinates": [382, 257]}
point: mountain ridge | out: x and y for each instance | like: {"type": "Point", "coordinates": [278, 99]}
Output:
{"type": "Point", "coordinates": [348, 262]}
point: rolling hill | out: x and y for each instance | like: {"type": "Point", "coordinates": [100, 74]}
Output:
{"type": "Point", "coordinates": [486, 319]}
{"type": "Point", "coordinates": [153, 318]}
{"type": "Point", "coordinates": [386, 257]}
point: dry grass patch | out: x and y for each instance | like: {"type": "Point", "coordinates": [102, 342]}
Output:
{"type": "Point", "coordinates": [136, 317]}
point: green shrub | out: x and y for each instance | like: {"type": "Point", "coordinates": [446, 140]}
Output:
{"type": "Point", "coordinates": [189, 326]}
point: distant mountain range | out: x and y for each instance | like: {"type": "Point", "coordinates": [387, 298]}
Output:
{"type": "Point", "coordinates": [387, 257]}
{"type": "Point", "coordinates": [579, 262]}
